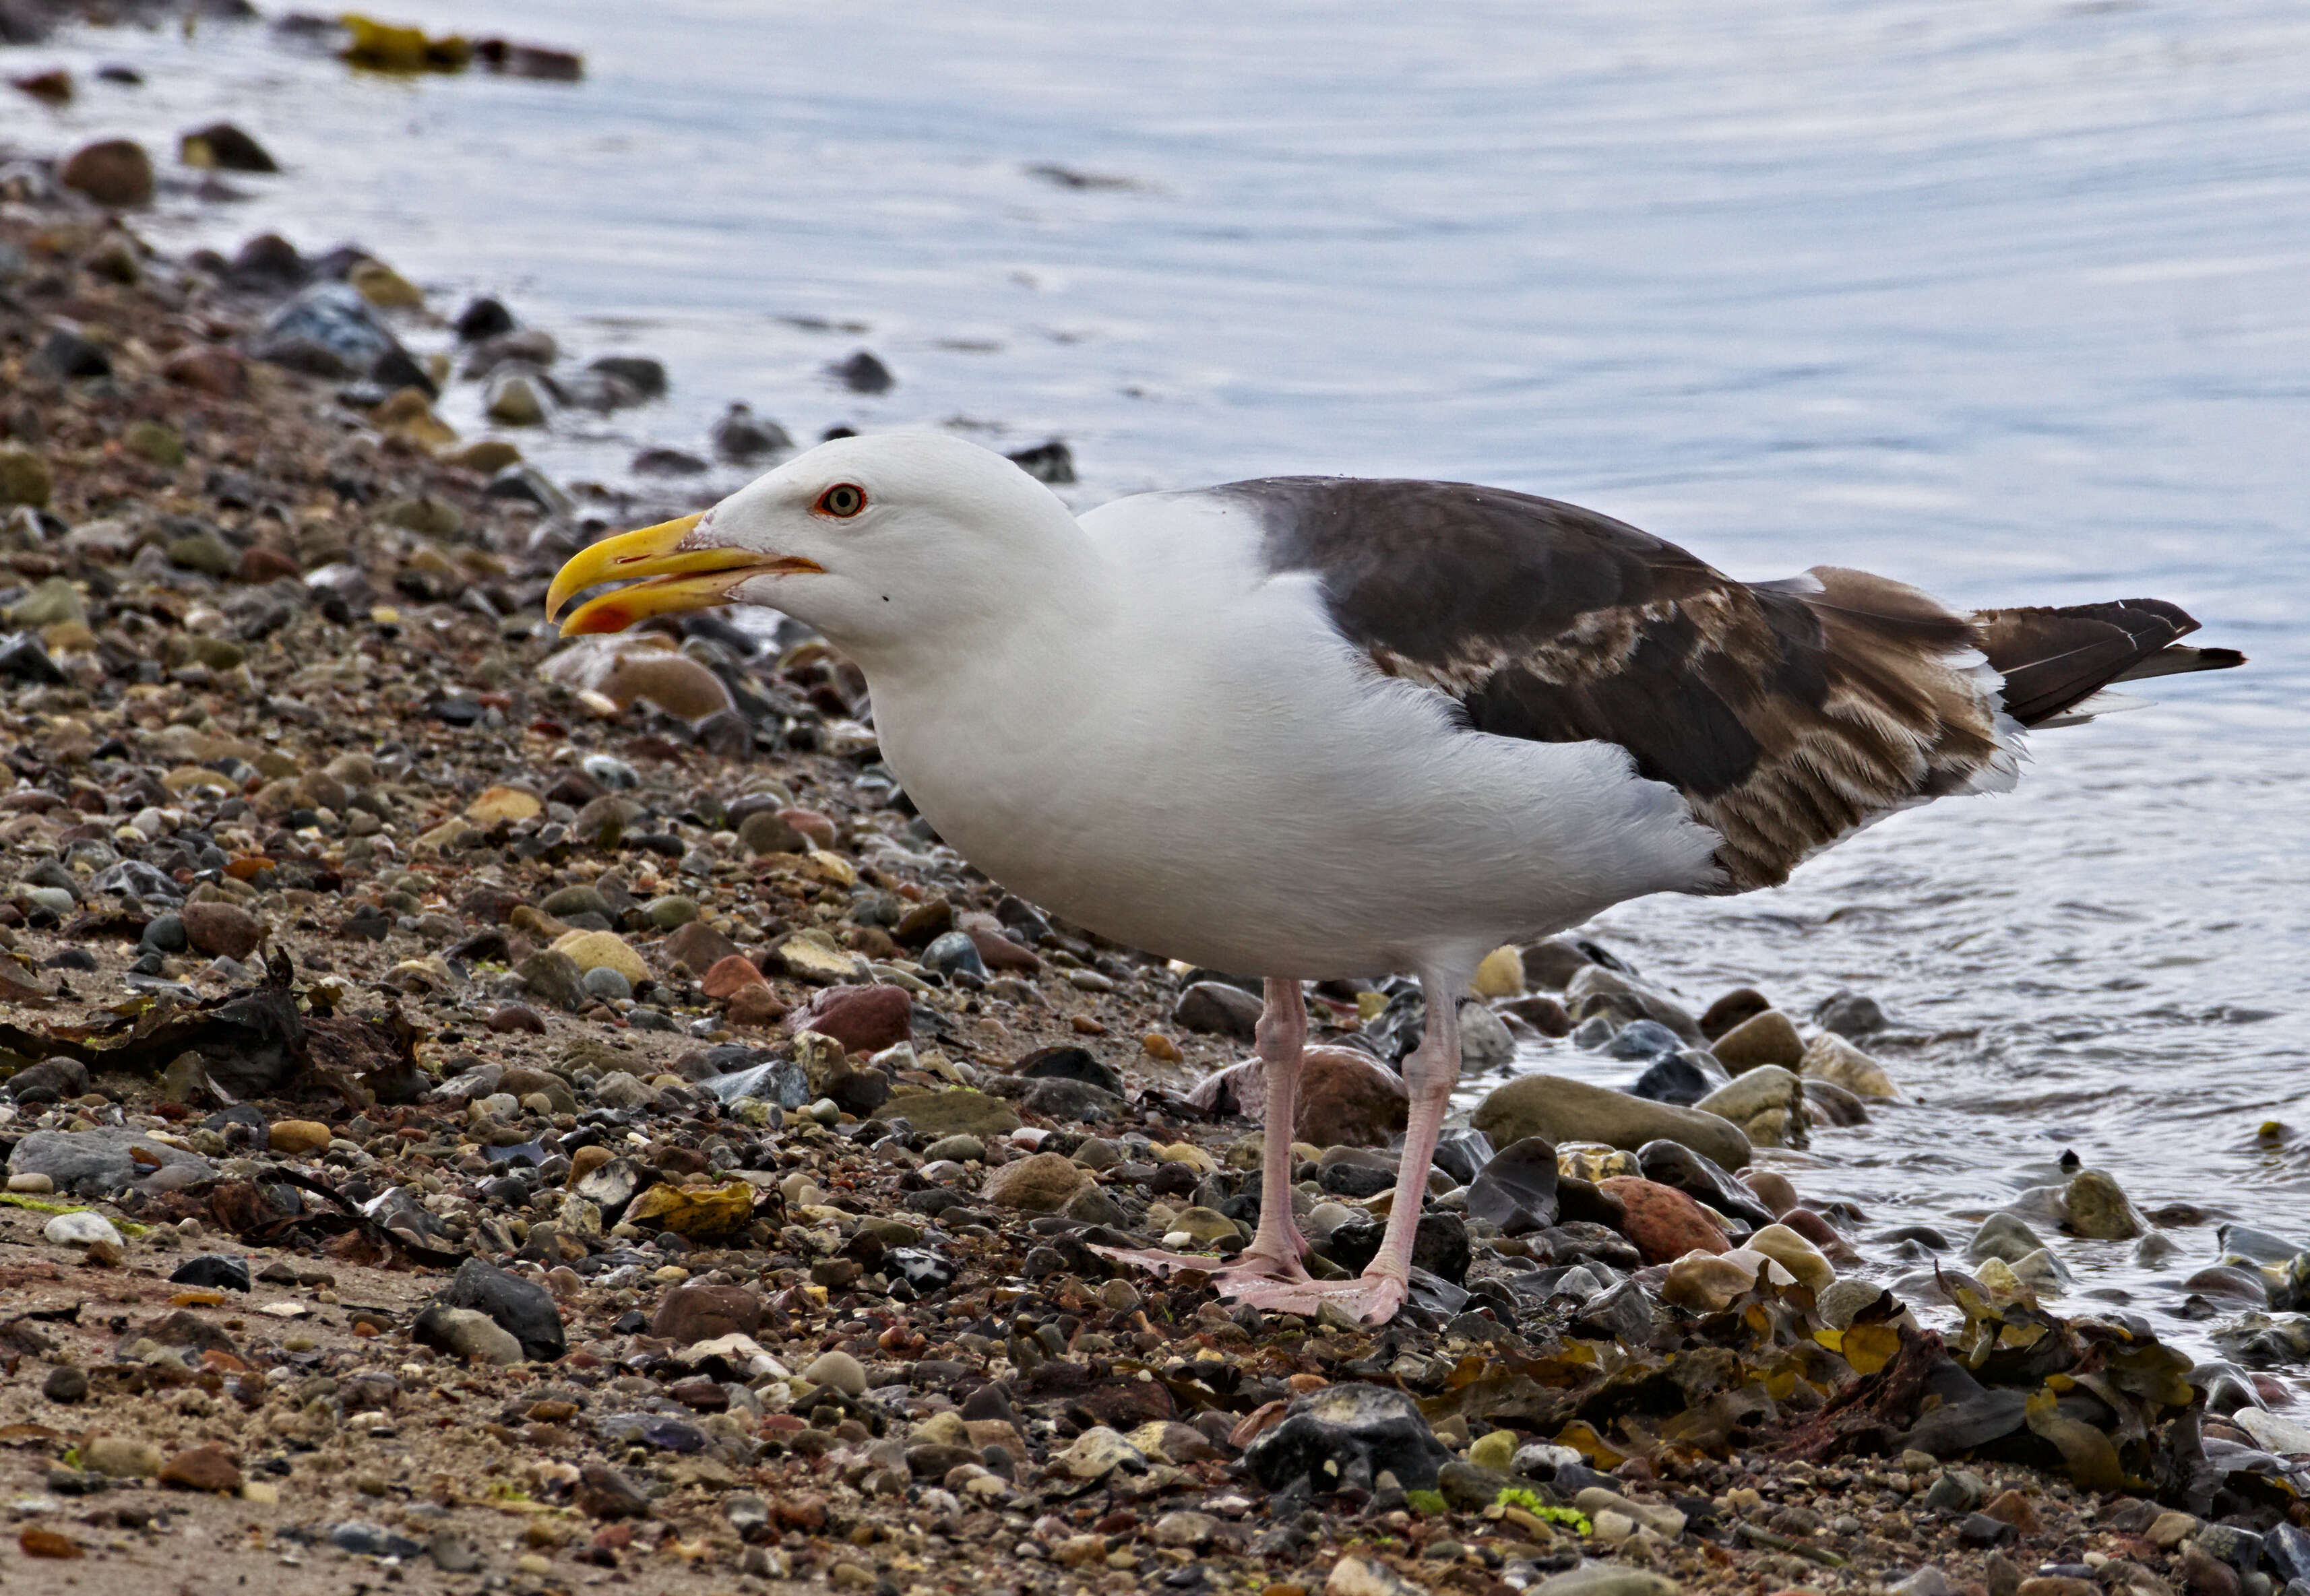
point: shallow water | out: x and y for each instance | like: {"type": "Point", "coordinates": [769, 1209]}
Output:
{"type": "Point", "coordinates": [2007, 299]}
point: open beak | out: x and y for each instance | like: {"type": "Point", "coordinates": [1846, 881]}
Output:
{"type": "Point", "coordinates": [670, 577]}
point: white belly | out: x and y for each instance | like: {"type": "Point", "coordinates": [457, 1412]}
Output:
{"type": "Point", "coordinates": [1213, 778]}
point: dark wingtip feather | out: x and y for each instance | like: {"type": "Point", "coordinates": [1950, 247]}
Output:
{"type": "Point", "coordinates": [2052, 659]}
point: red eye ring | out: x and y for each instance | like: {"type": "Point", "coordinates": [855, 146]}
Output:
{"type": "Point", "coordinates": [841, 501]}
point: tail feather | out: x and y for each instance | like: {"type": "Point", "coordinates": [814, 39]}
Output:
{"type": "Point", "coordinates": [2054, 659]}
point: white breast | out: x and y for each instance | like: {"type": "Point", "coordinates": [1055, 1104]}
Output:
{"type": "Point", "coordinates": [1213, 774]}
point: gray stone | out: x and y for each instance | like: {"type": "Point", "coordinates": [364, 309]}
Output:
{"type": "Point", "coordinates": [1217, 1009]}
{"type": "Point", "coordinates": [553, 977]}
{"type": "Point", "coordinates": [1349, 1435]}
{"type": "Point", "coordinates": [605, 984]}
{"type": "Point", "coordinates": [1608, 1579]}
{"type": "Point", "coordinates": [2005, 1236]}
{"type": "Point", "coordinates": [96, 1163]}
{"type": "Point", "coordinates": [463, 1332]}
{"type": "Point", "coordinates": [1559, 1110]}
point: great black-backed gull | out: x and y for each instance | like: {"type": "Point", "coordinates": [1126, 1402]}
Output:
{"type": "Point", "coordinates": [1312, 727]}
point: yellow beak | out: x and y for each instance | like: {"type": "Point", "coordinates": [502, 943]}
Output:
{"type": "Point", "coordinates": [672, 577]}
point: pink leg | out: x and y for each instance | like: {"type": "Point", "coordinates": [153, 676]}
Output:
{"type": "Point", "coordinates": [1430, 1071]}
{"type": "Point", "coordinates": [1277, 1247]}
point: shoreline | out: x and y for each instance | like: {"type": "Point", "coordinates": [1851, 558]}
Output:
{"type": "Point", "coordinates": [261, 623]}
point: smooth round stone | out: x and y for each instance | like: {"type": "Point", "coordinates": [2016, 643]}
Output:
{"type": "Point", "coordinates": [36, 1186]}
{"type": "Point", "coordinates": [607, 984]}
{"type": "Point", "coordinates": [55, 900]}
{"type": "Point", "coordinates": [961, 1149]}
{"type": "Point", "coordinates": [81, 1229]}
{"type": "Point", "coordinates": [165, 932]}
{"type": "Point", "coordinates": [669, 911]}
{"type": "Point", "coordinates": [843, 1372]}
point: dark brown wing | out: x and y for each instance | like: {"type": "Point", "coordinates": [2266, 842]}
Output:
{"type": "Point", "coordinates": [2052, 659]}
{"type": "Point", "coordinates": [1787, 714]}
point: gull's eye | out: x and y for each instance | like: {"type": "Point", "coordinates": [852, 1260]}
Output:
{"type": "Point", "coordinates": [842, 501]}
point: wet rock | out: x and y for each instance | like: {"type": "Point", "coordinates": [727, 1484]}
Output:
{"type": "Point", "coordinates": [1735, 1009]}
{"type": "Point", "coordinates": [1643, 1039]}
{"type": "Point", "coordinates": [97, 1162]}
{"type": "Point", "coordinates": [1682, 1078]}
{"type": "Point", "coordinates": [2004, 1237]}
{"type": "Point", "coordinates": [1662, 1221]}
{"type": "Point", "coordinates": [1672, 1164]}
{"type": "Point", "coordinates": [1794, 1254]}
{"type": "Point", "coordinates": [113, 172]}
{"type": "Point", "coordinates": [516, 398]}
{"type": "Point", "coordinates": [741, 437]}
{"type": "Point", "coordinates": [225, 147]}
{"type": "Point", "coordinates": [1850, 1014]}
{"type": "Point", "coordinates": [1346, 1436]}
{"type": "Point", "coordinates": [1768, 1037]}
{"type": "Point", "coordinates": [213, 1271]}
{"type": "Point", "coordinates": [861, 373]}
{"type": "Point", "coordinates": [1039, 1184]}
{"type": "Point", "coordinates": [1595, 990]}
{"type": "Point", "coordinates": [521, 1307]}
{"type": "Point", "coordinates": [2094, 1205]}
{"type": "Point", "coordinates": [1833, 1059]}
{"type": "Point", "coordinates": [1767, 1102]}
{"type": "Point", "coordinates": [1559, 1110]}
{"type": "Point", "coordinates": [1708, 1282]}
{"type": "Point", "coordinates": [1517, 1189]}
{"type": "Point", "coordinates": [1218, 1009]}
{"type": "Point", "coordinates": [329, 330]}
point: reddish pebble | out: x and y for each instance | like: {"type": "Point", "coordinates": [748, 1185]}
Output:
{"type": "Point", "coordinates": [728, 976]}
{"type": "Point", "coordinates": [515, 1017]}
{"type": "Point", "coordinates": [261, 564]}
{"type": "Point", "coordinates": [1662, 1221]}
{"type": "Point", "coordinates": [811, 824]}
{"type": "Point", "coordinates": [755, 1005]}
{"type": "Point", "coordinates": [863, 1019]}
{"type": "Point", "coordinates": [210, 368]}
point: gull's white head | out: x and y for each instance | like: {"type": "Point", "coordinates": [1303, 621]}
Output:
{"type": "Point", "coordinates": [877, 543]}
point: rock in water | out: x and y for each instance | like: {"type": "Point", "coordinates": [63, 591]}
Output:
{"type": "Point", "coordinates": [1769, 1038]}
{"type": "Point", "coordinates": [1559, 1110]}
{"type": "Point", "coordinates": [522, 1308]}
{"type": "Point", "coordinates": [1836, 1060]}
{"type": "Point", "coordinates": [2095, 1205]}
{"type": "Point", "coordinates": [114, 173]}
{"type": "Point", "coordinates": [1672, 1164]}
{"type": "Point", "coordinates": [1662, 1221]}
{"type": "Point", "coordinates": [1346, 1436]}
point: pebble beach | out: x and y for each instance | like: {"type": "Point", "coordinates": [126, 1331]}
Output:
{"type": "Point", "coordinates": [488, 1112]}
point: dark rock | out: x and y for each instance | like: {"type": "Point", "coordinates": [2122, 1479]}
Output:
{"type": "Point", "coordinates": [484, 317]}
{"type": "Point", "coordinates": [1682, 1078]}
{"type": "Point", "coordinates": [213, 1271]}
{"type": "Point", "coordinates": [668, 463]}
{"type": "Point", "coordinates": [49, 1080]}
{"type": "Point", "coordinates": [1053, 462]}
{"type": "Point", "coordinates": [1059, 1097]}
{"type": "Point", "coordinates": [226, 147]}
{"type": "Point", "coordinates": [1439, 1246]}
{"type": "Point", "coordinates": [1544, 1014]}
{"type": "Point", "coordinates": [328, 330]}
{"type": "Point", "coordinates": [604, 1493]}
{"type": "Point", "coordinates": [522, 1308]}
{"type": "Point", "coordinates": [1741, 1003]}
{"type": "Point", "coordinates": [861, 373]}
{"type": "Point", "coordinates": [65, 354]}
{"type": "Point", "coordinates": [644, 375]}
{"type": "Point", "coordinates": [1674, 1164]}
{"type": "Point", "coordinates": [954, 953]}
{"type": "Point", "coordinates": [1356, 1180]}
{"type": "Point", "coordinates": [1216, 1008]}
{"type": "Point", "coordinates": [1462, 1153]}
{"type": "Point", "coordinates": [1979, 1529]}
{"type": "Point", "coordinates": [66, 1384]}
{"type": "Point", "coordinates": [113, 172]}
{"type": "Point", "coordinates": [740, 439]}
{"type": "Point", "coordinates": [1643, 1039]}
{"type": "Point", "coordinates": [1069, 1063]}
{"type": "Point", "coordinates": [1345, 1436]}
{"type": "Point", "coordinates": [925, 1271]}
{"type": "Point", "coordinates": [1850, 1014]}
{"type": "Point", "coordinates": [1516, 1189]}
